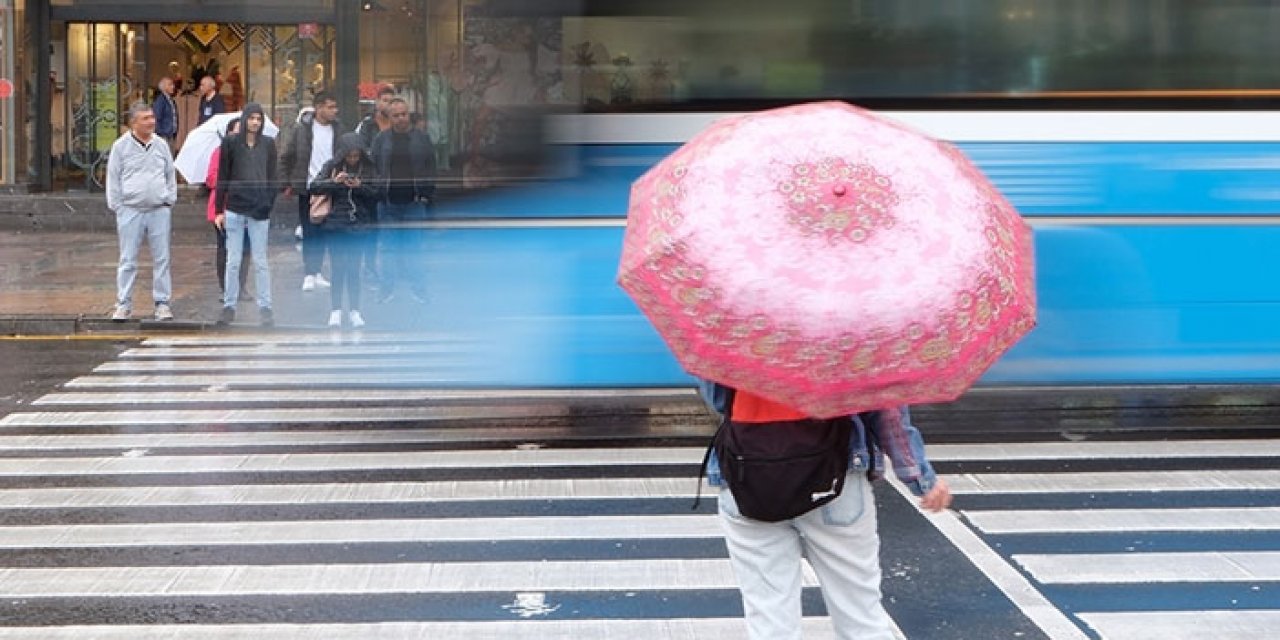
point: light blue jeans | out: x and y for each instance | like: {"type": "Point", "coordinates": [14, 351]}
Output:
{"type": "Point", "coordinates": [841, 543]}
{"type": "Point", "coordinates": [237, 225]}
{"type": "Point", "coordinates": [132, 227]}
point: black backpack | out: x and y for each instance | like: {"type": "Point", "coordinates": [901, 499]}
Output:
{"type": "Point", "coordinates": [781, 470]}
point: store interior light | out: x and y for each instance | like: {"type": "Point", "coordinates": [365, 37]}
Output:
{"type": "Point", "coordinates": [371, 5]}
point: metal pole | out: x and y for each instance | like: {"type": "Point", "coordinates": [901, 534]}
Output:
{"type": "Point", "coordinates": [38, 24]}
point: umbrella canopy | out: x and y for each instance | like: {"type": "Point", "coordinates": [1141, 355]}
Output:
{"type": "Point", "coordinates": [193, 159]}
{"type": "Point", "coordinates": [830, 259]}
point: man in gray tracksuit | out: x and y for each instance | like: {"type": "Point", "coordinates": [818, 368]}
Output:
{"type": "Point", "coordinates": [141, 189]}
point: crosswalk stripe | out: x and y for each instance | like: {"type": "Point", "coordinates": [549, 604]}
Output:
{"type": "Point", "coordinates": [1111, 568]}
{"type": "Point", "coordinates": [204, 417]}
{"type": "Point", "coordinates": [269, 350]}
{"type": "Point", "coordinates": [510, 459]}
{"type": "Point", "coordinates": [304, 438]}
{"type": "Point", "coordinates": [1113, 520]}
{"type": "Point", "coordinates": [351, 493]}
{"type": "Point", "coordinates": [1183, 625]}
{"type": "Point", "coordinates": [1097, 450]}
{"type": "Point", "coordinates": [1114, 481]}
{"type": "Point", "coordinates": [262, 364]}
{"type": "Point", "coordinates": [451, 577]}
{"type": "Point", "coordinates": [813, 628]}
{"type": "Point", "coordinates": [436, 373]}
{"type": "Point", "coordinates": [288, 339]}
{"type": "Point", "coordinates": [361, 531]}
{"type": "Point", "coordinates": [253, 396]}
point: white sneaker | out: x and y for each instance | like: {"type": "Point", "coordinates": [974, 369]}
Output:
{"type": "Point", "coordinates": [297, 232]}
{"type": "Point", "coordinates": [354, 318]}
{"type": "Point", "coordinates": [321, 282]}
{"type": "Point", "coordinates": [120, 314]}
{"type": "Point", "coordinates": [163, 312]}
{"type": "Point", "coordinates": [335, 318]}
{"type": "Point", "coordinates": [309, 283]}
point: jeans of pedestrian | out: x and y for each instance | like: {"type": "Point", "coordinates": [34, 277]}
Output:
{"type": "Point", "coordinates": [842, 545]}
{"type": "Point", "coordinates": [132, 227]}
{"type": "Point", "coordinates": [345, 248]}
{"type": "Point", "coordinates": [402, 245]}
{"type": "Point", "coordinates": [313, 238]}
{"type": "Point", "coordinates": [220, 259]}
{"type": "Point", "coordinates": [237, 227]}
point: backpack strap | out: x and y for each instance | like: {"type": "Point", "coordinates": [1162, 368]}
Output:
{"type": "Point", "coordinates": [706, 457]}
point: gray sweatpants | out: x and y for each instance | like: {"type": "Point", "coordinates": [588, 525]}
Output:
{"type": "Point", "coordinates": [132, 227]}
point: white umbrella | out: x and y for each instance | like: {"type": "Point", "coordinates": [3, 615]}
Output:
{"type": "Point", "coordinates": [193, 160]}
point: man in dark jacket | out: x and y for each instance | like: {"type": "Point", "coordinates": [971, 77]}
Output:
{"type": "Point", "coordinates": [211, 104]}
{"type": "Point", "coordinates": [246, 192]}
{"type": "Point", "coordinates": [166, 111]}
{"type": "Point", "coordinates": [300, 161]}
{"type": "Point", "coordinates": [406, 163]}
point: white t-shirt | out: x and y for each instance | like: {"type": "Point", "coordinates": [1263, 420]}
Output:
{"type": "Point", "coordinates": [321, 149]}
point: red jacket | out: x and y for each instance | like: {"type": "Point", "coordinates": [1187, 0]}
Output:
{"type": "Point", "coordinates": [211, 181]}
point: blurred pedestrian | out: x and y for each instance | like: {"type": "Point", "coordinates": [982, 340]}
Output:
{"type": "Point", "coordinates": [141, 190]}
{"type": "Point", "coordinates": [211, 103]}
{"type": "Point", "coordinates": [406, 163]}
{"type": "Point", "coordinates": [246, 194]}
{"type": "Point", "coordinates": [312, 143]}
{"type": "Point", "coordinates": [166, 110]}
{"type": "Point", "coordinates": [220, 256]}
{"type": "Point", "coordinates": [350, 182]}
{"type": "Point", "coordinates": [839, 538]}
{"type": "Point", "coordinates": [380, 120]}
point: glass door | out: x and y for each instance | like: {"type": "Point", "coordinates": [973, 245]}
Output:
{"type": "Point", "coordinates": [104, 73]}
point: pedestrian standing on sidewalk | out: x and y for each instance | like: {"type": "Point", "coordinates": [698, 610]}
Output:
{"type": "Point", "coordinates": [406, 163]}
{"type": "Point", "coordinates": [246, 192]}
{"type": "Point", "coordinates": [166, 111]}
{"type": "Point", "coordinates": [220, 256]}
{"type": "Point", "coordinates": [350, 182]}
{"type": "Point", "coordinates": [211, 104]}
{"type": "Point", "coordinates": [839, 538]}
{"type": "Point", "coordinates": [313, 143]}
{"type": "Point", "coordinates": [141, 190]}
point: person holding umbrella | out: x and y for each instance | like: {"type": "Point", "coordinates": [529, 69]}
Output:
{"type": "Point", "coordinates": [825, 267]}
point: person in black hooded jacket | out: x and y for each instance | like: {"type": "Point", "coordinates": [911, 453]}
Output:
{"type": "Point", "coordinates": [246, 193]}
{"type": "Point", "coordinates": [350, 182]}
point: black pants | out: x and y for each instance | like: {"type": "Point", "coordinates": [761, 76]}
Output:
{"type": "Point", "coordinates": [346, 247]}
{"type": "Point", "coordinates": [221, 260]}
{"type": "Point", "coordinates": [313, 238]}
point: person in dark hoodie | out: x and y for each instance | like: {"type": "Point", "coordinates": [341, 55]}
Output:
{"type": "Point", "coordinates": [246, 193]}
{"type": "Point", "coordinates": [350, 181]}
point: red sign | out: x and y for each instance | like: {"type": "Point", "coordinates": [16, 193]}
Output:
{"type": "Point", "coordinates": [308, 30]}
{"type": "Point", "coordinates": [6, 88]}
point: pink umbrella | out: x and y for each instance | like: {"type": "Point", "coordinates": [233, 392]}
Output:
{"type": "Point", "coordinates": [830, 259]}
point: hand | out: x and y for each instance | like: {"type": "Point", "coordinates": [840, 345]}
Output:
{"type": "Point", "coordinates": [938, 498]}
{"type": "Point", "coordinates": [353, 181]}
{"type": "Point", "coordinates": [341, 177]}
{"type": "Point", "coordinates": [220, 221]}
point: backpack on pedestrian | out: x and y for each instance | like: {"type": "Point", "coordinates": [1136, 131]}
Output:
{"type": "Point", "coordinates": [782, 469]}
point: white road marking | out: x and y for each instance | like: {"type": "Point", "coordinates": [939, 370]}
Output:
{"type": "Point", "coordinates": [1118, 568]}
{"type": "Point", "coordinates": [445, 577]}
{"type": "Point", "coordinates": [1115, 520]}
{"type": "Point", "coordinates": [1183, 625]}
{"type": "Point", "coordinates": [1099, 450]}
{"type": "Point", "coordinates": [1114, 481]}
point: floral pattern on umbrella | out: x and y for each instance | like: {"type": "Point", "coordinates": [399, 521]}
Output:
{"type": "Point", "coordinates": [828, 258]}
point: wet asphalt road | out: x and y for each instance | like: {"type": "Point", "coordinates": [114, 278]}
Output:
{"type": "Point", "coordinates": [188, 485]}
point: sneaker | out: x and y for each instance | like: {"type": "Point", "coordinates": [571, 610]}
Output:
{"type": "Point", "coordinates": [227, 316]}
{"type": "Point", "coordinates": [354, 318]}
{"type": "Point", "coordinates": [309, 283]}
{"type": "Point", "coordinates": [266, 318]}
{"type": "Point", "coordinates": [163, 312]}
{"type": "Point", "coordinates": [321, 282]}
{"type": "Point", "coordinates": [120, 314]}
{"type": "Point", "coordinates": [335, 318]}
{"type": "Point", "coordinates": [297, 232]}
